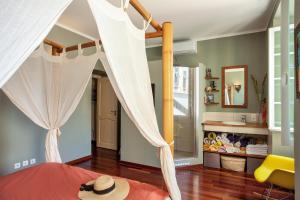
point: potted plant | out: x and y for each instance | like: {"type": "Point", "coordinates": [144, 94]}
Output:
{"type": "Point", "coordinates": [261, 97]}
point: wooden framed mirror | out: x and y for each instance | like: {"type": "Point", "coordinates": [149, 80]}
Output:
{"type": "Point", "coordinates": [235, 86]}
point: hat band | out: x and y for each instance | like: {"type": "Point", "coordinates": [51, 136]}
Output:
{"type": "Point", "coordinates": [105, 191]}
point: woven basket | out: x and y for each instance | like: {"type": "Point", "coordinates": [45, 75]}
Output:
{"type": "Point", "coordinates": [233, 163]}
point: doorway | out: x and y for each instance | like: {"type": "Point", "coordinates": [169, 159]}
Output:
{"type": "Point", "coordinates": [184, 113]}
{"type": "Point", "coordinates": [105, 113]}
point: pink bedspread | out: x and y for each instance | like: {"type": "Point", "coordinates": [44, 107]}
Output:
{"type": "Point", "coordinates": [61, 182]}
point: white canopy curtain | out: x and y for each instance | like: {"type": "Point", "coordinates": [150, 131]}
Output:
{"type": "Point", "coordinates": [24, 24]}
{"type": "Point", "coordinates": [48, 89]}
{"type": "Point", "coordinates": [127, 68]}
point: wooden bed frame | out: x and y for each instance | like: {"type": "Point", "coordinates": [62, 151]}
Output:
{"type": "Point", "coordinates": [166, 32]}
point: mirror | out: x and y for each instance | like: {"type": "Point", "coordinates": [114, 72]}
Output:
{"type": "Point", "coordinates": [235, 86]}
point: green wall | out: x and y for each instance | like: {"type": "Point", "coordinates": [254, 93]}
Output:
{"type": "Point", "coordinates": [21, 139]}
{"type": "Point", "coordinates": [249, 49]}
{"type": "Point", "coordinates": [134, 147]}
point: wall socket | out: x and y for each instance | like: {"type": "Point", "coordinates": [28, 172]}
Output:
{"type": "Point", "coordinates": [254, 117]}
{"type": "Point", "coordinates": [32, 161]}
{"type": "Point", "coordinates": [17, 165]}
{"type": "Point", "coordinates": [25, 163]}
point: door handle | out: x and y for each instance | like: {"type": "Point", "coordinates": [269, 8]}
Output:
{"type": "Point", "coordinates": [285, 79]}
{"type": "Point", "coordinates": [114, 112]}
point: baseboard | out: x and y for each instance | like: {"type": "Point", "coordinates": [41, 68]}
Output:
{"type": "Point", "coordinates": [138, 166]}
{"type": "Point", "coordinates": [79, 160]}
{"type": "Point", "coordinates": [146, 167]}
{"type": "Point", "coordinates": [188, 167]}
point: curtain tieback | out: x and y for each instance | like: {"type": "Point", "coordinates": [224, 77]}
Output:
{"type": "Point", "coordinates": [55, 130]}
{"type": "Point", "coordinates": [168, 144]}
{"type": "Point", "coordinates": [51, 146]}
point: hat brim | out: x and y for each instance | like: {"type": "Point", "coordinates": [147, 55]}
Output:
{"type": "Point", "coordinates": [119, 193]}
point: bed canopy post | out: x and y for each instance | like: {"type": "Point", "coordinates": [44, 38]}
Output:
{"type": "Point", "coordinates": [167, 60]}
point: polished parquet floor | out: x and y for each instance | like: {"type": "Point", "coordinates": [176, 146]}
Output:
{"type": "Point", "coordinates": [195, 182]}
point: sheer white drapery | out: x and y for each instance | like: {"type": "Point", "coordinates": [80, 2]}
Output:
{"type": "Point", "coordinates": [48, 89]}
{"type": "Point", "coordinates": [24, 25]}
{"type": "Point", "coordinates": [127, 68]}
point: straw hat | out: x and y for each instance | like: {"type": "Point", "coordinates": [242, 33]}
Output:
{"type": "Point", "coordinates": [104, 188]}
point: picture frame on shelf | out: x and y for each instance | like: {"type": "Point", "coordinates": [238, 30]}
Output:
{"type": "Point", "coordinates": [210, 98]}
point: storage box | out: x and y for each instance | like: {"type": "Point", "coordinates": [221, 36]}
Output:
{"type": "Point", "coordinates": [233, 163]}
{"type": "Point", "coordinates": [212, 160]}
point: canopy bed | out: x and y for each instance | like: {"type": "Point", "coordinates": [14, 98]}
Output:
{"type": "Point", "coordinates": [42, 92]}
{"type": "Point", "coordinates": [35, 184]}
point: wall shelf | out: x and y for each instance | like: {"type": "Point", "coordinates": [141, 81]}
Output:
{"type": "Point", "coordinates": [211, 78]}
{"type": "Point", "coordinates": [213, 91]}
{"type": "Point", "coordinates": [212, 103]}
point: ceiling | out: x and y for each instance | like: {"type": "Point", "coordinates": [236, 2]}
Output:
{"type": "Point", "coordinates": [192, 19]}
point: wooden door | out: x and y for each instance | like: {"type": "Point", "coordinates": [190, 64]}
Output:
{"type": "Point", "coordinates": [107, 115]}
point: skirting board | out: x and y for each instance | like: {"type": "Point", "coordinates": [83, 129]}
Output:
{"type": "Point", "coordinates": [139, 166]}
{"type": "Point", "coordinates": [79, 160]}
{"type": "Point", "coordinates": [188, 167]}
{"type": "Point", "coordinates": [146, 167]}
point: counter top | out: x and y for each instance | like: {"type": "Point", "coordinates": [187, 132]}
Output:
{"type": "Point", "coordinates": [248, 128]}
{"type": "Point", "coordinates": [247, 125]}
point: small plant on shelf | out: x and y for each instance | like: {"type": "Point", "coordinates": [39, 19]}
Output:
{"type": "Point", "coordinates": [208, 73]}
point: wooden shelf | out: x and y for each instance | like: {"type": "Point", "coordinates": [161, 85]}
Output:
{"type": "Point", "coordinates": [213, 103]}
{"type": "Point", "coordinates": [213, 91]}
{"type": "Point", "coordinates": [237, 154]}
{"type": "Point", "coordinates": [212, 78]}
{"type": "Point", "coordinates": [247, 125]}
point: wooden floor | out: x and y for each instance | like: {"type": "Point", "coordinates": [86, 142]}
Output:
{"type": "Point", "coordinates": [195, 182]}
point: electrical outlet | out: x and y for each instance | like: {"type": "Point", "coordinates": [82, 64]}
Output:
{"type": "Point", "coordinates": [25, 163]}
{"type": "Point", "coordinates": [254, 117]}
{"type": "Point", "coordinates": [32, 161]}
{"type": "Point", "coordinates": [17, 165]}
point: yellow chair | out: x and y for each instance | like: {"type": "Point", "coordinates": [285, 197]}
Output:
{"type": "Point", "coordinates": [277, 170]}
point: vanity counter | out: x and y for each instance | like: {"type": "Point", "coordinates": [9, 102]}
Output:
{"type": "Point", "coordinates": [220, 123]}
{"type": "Point", "coordinates": [248, 128]}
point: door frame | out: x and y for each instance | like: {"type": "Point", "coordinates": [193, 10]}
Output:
{"type": "Point", "coordinates": [98, 74]}
{"type": "Point", "coordinates": [192, 106]}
